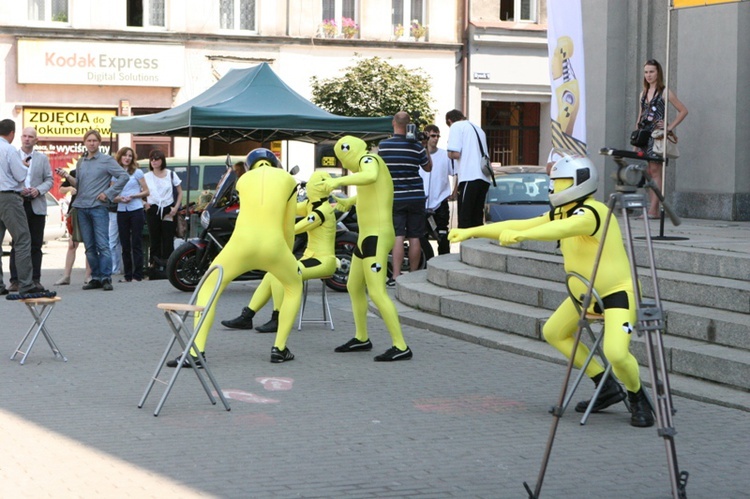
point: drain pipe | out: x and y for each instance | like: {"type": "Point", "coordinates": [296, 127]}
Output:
{"type": "Point", "coordinates": [465, 58]}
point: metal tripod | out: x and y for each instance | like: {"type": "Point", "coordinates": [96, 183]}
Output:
{"type": "Point", "coordinates": [650, 315]}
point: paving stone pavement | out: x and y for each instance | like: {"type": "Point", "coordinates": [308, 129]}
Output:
{"type": "Point", "coordinates": [459, 420]}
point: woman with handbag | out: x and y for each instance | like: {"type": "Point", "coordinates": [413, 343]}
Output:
{"type": "Point", "coordinates": [162, 204]}
{"type": "Point", "coordinates": [651, 117]}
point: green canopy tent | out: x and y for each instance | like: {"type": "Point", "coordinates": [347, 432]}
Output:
{"type": "Point", "coordinates": [252, 104]}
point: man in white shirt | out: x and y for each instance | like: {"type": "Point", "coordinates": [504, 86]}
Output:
{"type": "Point", "coordinates": [437, 188]}
{"type": "Point", "coordinates": [466, 142]}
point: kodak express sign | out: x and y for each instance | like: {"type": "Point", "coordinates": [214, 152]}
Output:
{"type": "Point", "coordinates": [81, 63]}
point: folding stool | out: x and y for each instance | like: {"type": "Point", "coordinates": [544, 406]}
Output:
{"type": "Point", "coordinates": [177, 315]}
{"type": "Point", "coordinates": [596, 348]}
{"type": "Point", "coordinates": [40, 309]}
{"type": "Point", "coordinates": [327, 318]}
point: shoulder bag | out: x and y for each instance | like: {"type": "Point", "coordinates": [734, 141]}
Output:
{"type": "Point", "coordinates": [486, 163]}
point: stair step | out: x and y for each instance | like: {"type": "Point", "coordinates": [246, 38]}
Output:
{"type": "Point", "coordinates": [681, 385]}
{"type": "Point", "coordinates": [690, 321]}
{"type": "Point", "coordinates": [683, 355]}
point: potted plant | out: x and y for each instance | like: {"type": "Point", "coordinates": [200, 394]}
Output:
{"type": "Point", "coordinates": [417, 30]}
{"type": "Point", "coordinates": [349, 28]}
{"type": "Point", "coordinates": [398, 31]}
{"type": "Point", "coordinates": [329, 28]}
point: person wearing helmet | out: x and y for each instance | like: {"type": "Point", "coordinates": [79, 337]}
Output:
{"type": "Point", "coordinates": [367, 273]}
{"type": "Point", "coordinates": [268, 200]}
{"type": "Point", "coordinates": [577, 221]}
{"type": "Point", "coordinates": [318, 260]}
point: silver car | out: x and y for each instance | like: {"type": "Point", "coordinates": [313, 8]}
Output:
{"type": "Point", "coordinates": [521, 192]}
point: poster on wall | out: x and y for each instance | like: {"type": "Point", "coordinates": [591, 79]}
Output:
{"type": "Point", "coordinates": [60, 134]}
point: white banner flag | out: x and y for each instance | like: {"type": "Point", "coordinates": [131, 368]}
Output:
{"type": "Point", "coordinates": [565, 45]}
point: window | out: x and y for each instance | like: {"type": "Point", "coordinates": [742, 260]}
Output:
{"type": "Point", "coordinates": [518, 10]}
{"type": "Point", "coordinates": [237, 15]}
{"type": "Point", "coordinates": [48, 10]}
{"type": "Point", "coordinates": [146, 13]}
{"type": "Point", "coordinates": [339, 9]}
{"type": "Point", "coordinates": [403, 12]}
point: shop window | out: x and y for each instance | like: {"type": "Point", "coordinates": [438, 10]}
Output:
{"type": "Point", "coordinates": [146, 13]}
{"type": "Point", "coordinates": [48, 10]}
{"type": "Point", "coordinates": [518, 10]}
{"type": "Point", "coordinates": [237, 15]}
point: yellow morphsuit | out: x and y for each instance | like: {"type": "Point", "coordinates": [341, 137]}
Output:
{"type": "Point", "coordinates": [579, 228]}
{"type": "Point", "coordinates": [262, 239]}
{"type": "Point", "coordinates": [367, 274]}
{"type": "Point", "coordinates": [319, 258]}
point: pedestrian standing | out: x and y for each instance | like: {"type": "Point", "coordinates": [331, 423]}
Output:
{"type": "Point", "coordinates": [38, 182]}
{"type": "Point", "coordinates": [12, 215]}
{"type": "Point", "coordinates": [466, 141]}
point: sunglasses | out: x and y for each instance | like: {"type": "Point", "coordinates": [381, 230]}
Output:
{"type": "Point", "coordinates": [433, 135]}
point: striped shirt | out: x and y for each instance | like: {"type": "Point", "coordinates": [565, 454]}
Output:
{"type": "Point", "coordinates": [404, 159]}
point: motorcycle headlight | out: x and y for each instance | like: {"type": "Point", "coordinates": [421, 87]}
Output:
{"type": "Point", "coordinates": [205, 219]}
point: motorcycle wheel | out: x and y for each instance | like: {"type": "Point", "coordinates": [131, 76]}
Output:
{"type": "Point", "coordinates": [426, 253]}
{"type": "Point", "coordinates": [183, 270]}
{"type": "Point", "coordinates": [345, 246]}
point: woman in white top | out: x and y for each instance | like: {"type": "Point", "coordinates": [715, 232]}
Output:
{"type": "Point", "coordinates": [130, 216]}
{"type": "Point", "coordinates": [161, 207]}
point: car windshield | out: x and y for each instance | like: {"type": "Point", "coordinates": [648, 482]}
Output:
{"type": "Point", "coordinates": [520, 188]}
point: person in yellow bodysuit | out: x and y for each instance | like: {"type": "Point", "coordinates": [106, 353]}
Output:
{"type": "Point", "coordinates": [367, 274]}
{"type": "Point", "coordinates": [262, 239]}
{"type": "Point", "coordinates": [577, 221]}
{"type": "Point", "coordinates": [318, 260]}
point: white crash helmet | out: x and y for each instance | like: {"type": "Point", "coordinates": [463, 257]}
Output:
{"type": "Point", "coordinates": [584, 175]}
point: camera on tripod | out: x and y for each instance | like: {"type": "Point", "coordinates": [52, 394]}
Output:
{"type": "Point", "coordinates": [414, 130]}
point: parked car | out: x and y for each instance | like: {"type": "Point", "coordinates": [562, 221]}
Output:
{"type": "Point", "coordinates": [521, 192]}
{"type": "Point", "coordinates": [54, 228]}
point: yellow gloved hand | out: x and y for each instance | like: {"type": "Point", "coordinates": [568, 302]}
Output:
{"type": "Point", "coordinates": [509, 236]}
{"type": "Point", "coordinates": [329, 185]}
{"type": "Point", "coordinates": [458, 235]}
{"type": "Point", "coordinates": [343, 204]}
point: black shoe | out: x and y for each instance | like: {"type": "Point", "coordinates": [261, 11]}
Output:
{"type": "Point", "coordinates": [92, 284]}
{"type": "Point", "coordinates": [107, 285]}
{"type": "Point", "coordinates": [279, 356]}
{"type": "Point", "coordinates": [611, 394]}
{"type": "Point", "coordinates": [271, 326]}
{"type": "Point", "coordinates": [391, 282]}
{"type": "Point", "coordinates": [393, 354]}
{"type": "Point", "coordinates": [640, 410]}
{"type": "Point", "coordinates": [197, 360]}
{"type": "Point", "coordinates": [354, 345]}
{"type": "Point", "coordinates": [4, 291]}
{"type": "Point", "coordinates": [13, 288]}
{"type": "Point", "coordinates": [244, 321]}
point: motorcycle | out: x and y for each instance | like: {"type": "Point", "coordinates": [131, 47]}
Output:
{"type": "Point", "coordinates": [187, 264]}
{"type": "Point", "coordinates": [349, 218]}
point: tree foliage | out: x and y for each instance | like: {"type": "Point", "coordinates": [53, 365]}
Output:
{"type": "Point", "coordinates": [374, 87]}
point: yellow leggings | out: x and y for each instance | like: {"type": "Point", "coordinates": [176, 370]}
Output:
{"type": "Point", "coordinates": [311, 268]}
{"type": "Point", "coordinates": [560, 330]}
{"type": "Point", "coordinates": [367, 275]}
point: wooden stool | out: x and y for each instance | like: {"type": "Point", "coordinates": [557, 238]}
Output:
{"type": "Point", "coordinates": [177, 315]}
{"type": "Point", "coordinates": [40, 309]}
{"type": "Point", "coordinates": [326, 319]}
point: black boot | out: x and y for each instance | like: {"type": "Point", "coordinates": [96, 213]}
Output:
{"type": "Point", "coordinates": [611, 394]}
{"type": "Point", "coordinates": [244, 321]}
{"type": "Point", "coordinates": [640, 410]}
{"type": "Point", "coordinates": [270, 326]}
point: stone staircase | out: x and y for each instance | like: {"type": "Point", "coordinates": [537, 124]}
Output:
{"type": "Point", "coordinates": [501, 296]}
